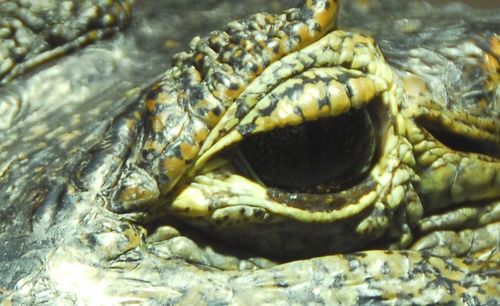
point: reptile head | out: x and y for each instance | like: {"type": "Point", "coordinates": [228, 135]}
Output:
{"type": "Point", "coordinates": [297, 141]}
{"type": "Point", "coordinates": [279, 135]}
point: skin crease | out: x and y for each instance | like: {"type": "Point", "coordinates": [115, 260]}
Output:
{"type": "Point", "coordinates": [145, 206]}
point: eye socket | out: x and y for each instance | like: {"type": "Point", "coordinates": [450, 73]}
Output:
{"type": "Point", "coordinates": [321, 156]}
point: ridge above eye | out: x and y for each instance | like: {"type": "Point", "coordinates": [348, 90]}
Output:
{"type": "Point", "coordinates": [322, 156]}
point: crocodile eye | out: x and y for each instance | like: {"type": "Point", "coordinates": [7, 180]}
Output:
{"type": "Point", "coordinates": [315, 157]}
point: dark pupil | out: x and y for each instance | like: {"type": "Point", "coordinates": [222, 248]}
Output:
{"type": "Point", "coordinates": [318, 156]}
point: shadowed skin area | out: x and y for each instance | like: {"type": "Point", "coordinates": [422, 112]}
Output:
{"type": "Point", "coordinates": [308, 156]}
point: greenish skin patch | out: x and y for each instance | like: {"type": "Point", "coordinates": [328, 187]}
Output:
{"type": "Point", "coordinates": [421, 226]}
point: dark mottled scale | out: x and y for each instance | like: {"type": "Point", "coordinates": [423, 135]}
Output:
{"type": "Point", "coordinates": [212, 74]}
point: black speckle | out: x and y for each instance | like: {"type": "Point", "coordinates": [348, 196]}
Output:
{"type": "Point", "coordinates": [234, 86]}
{"type": "Point", "coordinates": [349, 91]}
{"type": "Point", "coordinates": [124, 227]}
{"type": "Point", "coordinates": [145, 154]}
{"type": "Point", "coordinates": [276, 48]}
{"type": "Point", "coordinates": [386, 269]}
{"type": "Point", "coordinates": [343, 77]}
{"type": "Point", "coordinates": [153, 93]}
{"type": "Point", "coordinates": [91, 239]}
{"type": "Point", "coordinates": [253, 67]}
{"type": "Point", "coordinates": [325, 101]}
{"type": "Point", "coordinates": [317, 27]}
{"type": "Point", "coordinates": [267, 111]}
{"type": "Point", "coordinates": [338, 281]}
{"type": "Point", "coordinates": [195, 94]}
{"type": "Point", "coordinates": [468, 261]}
{"type": "Point", "coordinates": [241, 111]}
{"type": "Point", "coordinates": [246, 129]}
{"type": "Point", "coordinates": [282, 284]}
{"type": "Point", "coordinates": [470, 300]}
{"type": "Point", "coordinates": [404, 296]}
{"type": "Point", "coordinates": [217, 111]}
{"type": "Point", "coordinates": [441, 282]}
{"type": "Point", "coordinates": [164, 179]}
{"type": "Point", "coordinates": [177, 152]}
{"type": "Point", "coordinates": [369, 300]}
{"type": "Point", "coordinates": [298, 111]}
{"type": "Point", "coordinates": [450, 265]}
{"type": "Point", "coordinates": [354, 262]}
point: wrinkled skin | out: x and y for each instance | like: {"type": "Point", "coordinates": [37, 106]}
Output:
{"type": "Point", "coordinates": [71, 232]}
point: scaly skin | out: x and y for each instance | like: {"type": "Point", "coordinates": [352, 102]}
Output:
{"type": "Point", "coordinates": [118, 226]}
{"type": "Point", "coordinates": [32, 33]}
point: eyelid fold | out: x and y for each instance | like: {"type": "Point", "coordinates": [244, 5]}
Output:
{"type": "Point", "coordinates": [212, 74]}
{"type": "Point", "coordinates": [322, 80]}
